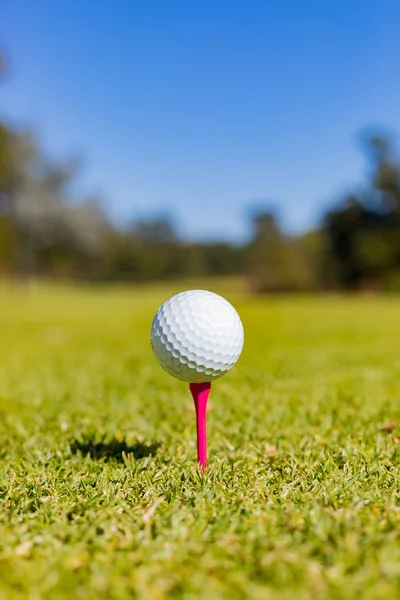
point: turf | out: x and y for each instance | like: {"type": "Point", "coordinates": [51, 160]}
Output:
{"type": "Point", "coordinates": [100, 493]}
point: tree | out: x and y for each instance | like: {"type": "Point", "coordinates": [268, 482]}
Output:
{"type": "Point", "coordinates": [363, 231]}
{"type": "Point", "coordinates": [276, 262]}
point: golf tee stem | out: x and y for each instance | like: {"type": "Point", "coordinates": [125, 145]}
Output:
{"type": "Point", "coordinates": [200, 393]}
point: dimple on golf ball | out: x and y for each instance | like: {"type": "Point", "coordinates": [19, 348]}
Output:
{"type": "Point", "coordinates": [197, 336]}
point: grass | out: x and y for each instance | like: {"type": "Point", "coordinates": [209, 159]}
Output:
{"type": "Point", "coordinates": [100, 493]}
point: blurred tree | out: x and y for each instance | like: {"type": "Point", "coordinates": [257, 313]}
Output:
{"type": "Point", "coordinates": [321, 271]}
{"type": "Point", "coordinates": [8, 161]}
{"type": "Point", "coordinates": [16, 149]}
{"type": "Point", "coordinates": [221, 258]}
{"type": "Point", "coordinates": [385, 169]}
{"type": "Point", "coordinates": [156, 231]}
{"type": "Point", "coordinates": [342, 225]}
{"type": "Point", "coordinates": [275, 262]}
{"type": "Point", "coordinates": [41, 229]}
{"type": "Point", "coordinates": [158, 248]}
{"type": "Point", "coordinates": [363, 231]}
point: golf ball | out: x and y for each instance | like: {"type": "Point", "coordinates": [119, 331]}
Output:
{"type": "Point", "coordinates": [197, 336]}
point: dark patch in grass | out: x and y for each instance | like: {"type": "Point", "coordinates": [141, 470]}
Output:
{"type": "Point", "coordinates": [113, 449]}
{"type": "Point", "coordinates": [389, 427]}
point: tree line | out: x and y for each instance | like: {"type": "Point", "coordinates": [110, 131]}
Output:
{"type": "Point", "coordinates": [45, 231]}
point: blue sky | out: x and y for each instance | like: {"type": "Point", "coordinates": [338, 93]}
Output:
{"type": "Point", "coordinates": [204, 108]}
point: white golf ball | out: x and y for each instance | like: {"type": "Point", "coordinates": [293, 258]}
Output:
{"type": "Point", "coordinates": [197, 336]}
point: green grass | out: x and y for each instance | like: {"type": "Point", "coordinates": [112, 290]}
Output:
{"type": "Point", "coordinates": [100, 493]}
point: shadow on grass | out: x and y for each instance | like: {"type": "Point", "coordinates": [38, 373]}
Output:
{"type": "Point", "coordinates": [113, 449]}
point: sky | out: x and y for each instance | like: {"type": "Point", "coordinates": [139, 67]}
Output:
{"type": "Point", "coordinates": [205, 109]}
